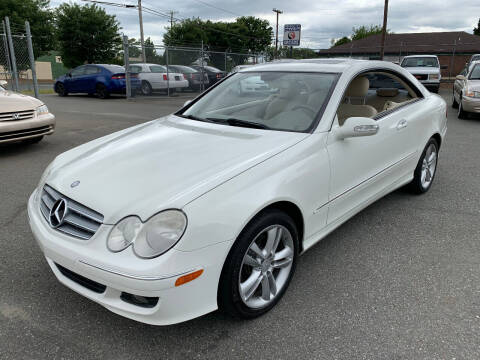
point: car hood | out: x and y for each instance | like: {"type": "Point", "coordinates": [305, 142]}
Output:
{"type": "Point", "coordinates": [423, 70]}
{"type": "Point", "coordinates": [162, 164]}
{"type": "Point", "coordinates": [12, 101]}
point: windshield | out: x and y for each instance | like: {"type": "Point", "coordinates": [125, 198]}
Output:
{"type": "Point", "coordinates": [285, 101]}
{"type": "Point", "coordinates": [420, 62]}
{"type": "Point", "coordinates": [475, 74]}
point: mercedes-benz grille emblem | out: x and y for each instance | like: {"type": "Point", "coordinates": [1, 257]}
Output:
{"type": "Point", "coordinates": [58, 213]}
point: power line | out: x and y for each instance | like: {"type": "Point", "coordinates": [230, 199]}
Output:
{"type": "Point", "coordinates": [217, 7]}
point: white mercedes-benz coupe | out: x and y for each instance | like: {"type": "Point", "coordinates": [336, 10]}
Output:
{"type": "Point", "coordinates": [211, 207]}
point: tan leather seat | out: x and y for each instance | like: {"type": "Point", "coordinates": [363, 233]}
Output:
{"type": "Point", "coordinates": [358, 88]}
{"type": "Point", "coordinates": [283, 101]}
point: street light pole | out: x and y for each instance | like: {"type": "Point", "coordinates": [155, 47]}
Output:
{"type": "Point", "coordinates": [142, 42]}
{"type": "Point", "coordinates": [384, 30]}
{"type": "Point", "coordinates": [276, 36]}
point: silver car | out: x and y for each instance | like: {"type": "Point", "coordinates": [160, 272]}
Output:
{"type": "Point", "coordinates": [466, 91]}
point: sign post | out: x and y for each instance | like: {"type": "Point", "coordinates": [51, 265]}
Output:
{"type": "Point", "coordinates": [291, 34]}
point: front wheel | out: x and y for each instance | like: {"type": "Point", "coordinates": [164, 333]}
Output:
{"type": "Point", "coordinates": [454, 101]}
{"type": "Point", "coordinates": [426, 168]}
{"type": "Point", "coordinates": [60, 89]}
{"type": "Point", "coordinates": [146, 88]}
{"type": "Point", "coordinates": [259, 266]}
{"type": "Point", "coordinates": [462, 114]}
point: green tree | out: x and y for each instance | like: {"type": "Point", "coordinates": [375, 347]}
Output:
{"type": "Point", "coordinates": [37, 13]}
{"type": "Point", "coordinates": [341, 41]}
{"type": "Point", "coordinates": [363, 31]}
{"type": "Point", "coordinates": [476, 31]}
{"type": "Point", "coordinates": [86, 34]}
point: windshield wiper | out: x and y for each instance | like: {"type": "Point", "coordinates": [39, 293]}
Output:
{"type": "Point", "coordinates": [193, 117]}
{"type": "Point", "coordinates": [240, 123]}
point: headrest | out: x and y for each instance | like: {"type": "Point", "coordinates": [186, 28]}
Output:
{"type": "Point", "coordinates": [387, 92]}
{"type": "Point", "coordinates": [358, 87]}
{"type": "Point", "coordinates": [286, 90]}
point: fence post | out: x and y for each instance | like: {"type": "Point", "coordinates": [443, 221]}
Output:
{"type": "Point", "coordinates": [32, 58]}
{"type": "Point", "coordinates": [12, 55]}
{"type": "Point", "coordinates": [452, 62]}
{"type": "Point", "coordinates": [126, 58]}
{"type": "Point", "coordinates": [225, 62]}
{"type": "Point", "coordinates": [168, 75]}
{"type": "Point", "coordinates": [5, 44]}
{"type": "Point", "coordinates": [203, 70]}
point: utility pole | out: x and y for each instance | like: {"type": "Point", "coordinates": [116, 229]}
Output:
{"type": "Point", "coordinates": [171, 12]}
{"type": "Point", "coordinates": [276, 36]}
{"type": "Point", "coordinates": [384, 30]}
{"type": "Point", "coordinates": [142, 42]}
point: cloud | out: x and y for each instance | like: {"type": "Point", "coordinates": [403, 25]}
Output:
{"type": "Point", "coordinates": [321, 20]}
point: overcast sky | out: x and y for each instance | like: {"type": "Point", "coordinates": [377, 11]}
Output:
{"type": "Point", "coordinates": [321, 20]}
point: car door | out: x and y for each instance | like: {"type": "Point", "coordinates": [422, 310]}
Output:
{"type": "Point", "coordinates": [458, 85]}
{"type": "Point", "coordinates": [74, 79]}
{"type": "Point", "coordinates": [362, 168]}
{"type": "Point", "coordinates": [88, 81]}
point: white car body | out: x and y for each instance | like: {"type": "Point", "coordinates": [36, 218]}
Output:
{"type": "Point", "coordinates": [430, 77]}
{"type": "Point", "coordinates": [221, 177]}
{"type": "Point", "coordinates": [159, 80]}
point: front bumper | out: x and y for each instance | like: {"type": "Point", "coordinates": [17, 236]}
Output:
{"type": "Point", "coordinates": [471, 104]}
{"type": "Point", "coordinates": [125, 273]}
{"type": "Point", "coordinates": [12, 131]}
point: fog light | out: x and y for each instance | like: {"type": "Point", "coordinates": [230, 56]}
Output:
{"type": "Point", "coordinates": [189, 277]}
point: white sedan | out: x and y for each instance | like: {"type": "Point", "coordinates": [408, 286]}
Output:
{"type": "Point", "coordinates": [211, 207]}
{"type": "Point", "coordinates": [155, 77]}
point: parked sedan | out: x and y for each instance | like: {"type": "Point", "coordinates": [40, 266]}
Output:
{"type": "Point", "coordinates": [156, 77]}
{"type": "Point", "coordinates": [213, 73]}
{"type": "Point", "coordinates": [426, 68]}
{"type": "Point", "coordinates": [466, 91]}
{"type": "Point", "coordinates": [98, 79]}
{"type": "Point", "coordinates": [210, 207]}
{"type": "Point", "coordinates": [193, 76]}
{"type": "Point", "coordinates": [23, 118]}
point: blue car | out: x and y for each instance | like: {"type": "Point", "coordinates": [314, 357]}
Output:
{"type": "Point", "coordinates": [99, 79]}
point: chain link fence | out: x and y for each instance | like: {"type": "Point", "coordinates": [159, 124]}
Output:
{"type": "Point", "coordinates": [16, 59]}
{"type": "Point", "coordinates": [177, 71]}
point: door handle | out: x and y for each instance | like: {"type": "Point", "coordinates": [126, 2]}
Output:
{"type": "Point", "coordinates": [402, 124]}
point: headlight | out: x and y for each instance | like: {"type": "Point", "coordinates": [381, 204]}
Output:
{"type": "Point", "coordinates": [41, 110]}
{"type": "Point", "coordinates": [433, 76]}
{"type": "Point", "coordinates": [472, 94]}
{"type": "Point", "coordinates": [151, 239]}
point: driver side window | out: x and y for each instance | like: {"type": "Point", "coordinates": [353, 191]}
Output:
{"type": "Point", "coordinates": [78, 71]}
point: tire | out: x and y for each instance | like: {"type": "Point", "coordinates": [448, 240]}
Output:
{"type": "Point", "coordinates": [60, 89]}
{"type": "Point", "coordinates": [270, 276]}
{"type": "Point", "coordinates": [146, 88]}
{"type": "Point", "coordinates": [102, 91]}
{"type": "Point", "coordinates": [32, 141]}
{"type": "Point", "coordinates": [454, 102]}
{"type": "Point", "coordinates": [462, 114]}
{"type": "Point", "coordinates": [426, 169]}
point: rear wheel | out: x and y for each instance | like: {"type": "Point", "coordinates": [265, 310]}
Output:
{"type": "Point", "coordinates": [102, 91]}
{"type": "Point", "coordinates": [146, 88]}
{"type": "Point", "coordinates": [426, 168]}
{"type": "Point", "coordinates": [259, 266]}
{"type": "Point", "coordinates": [60, 89]}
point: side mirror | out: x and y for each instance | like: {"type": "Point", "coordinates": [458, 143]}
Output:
{"type": "Point", "coordinates": [443, 67]}
{"type": "Point", "coordinates": [357, 126]}
{"type": "Point", "coordinates": [187, 102]}
{"type": "Point", "coordinates": [460, 77]}
{"type": "Point", "coordinates": [69, 74]}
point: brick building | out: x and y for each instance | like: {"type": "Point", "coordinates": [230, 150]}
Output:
{"type": "Point", "coordinates": [453, 49]}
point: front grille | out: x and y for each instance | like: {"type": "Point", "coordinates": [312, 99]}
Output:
{"type": "Point", "coordinates": [17, 134]}
{"type": "Point", "coordinates": [78, 220]}
{"type": "Point", "coordinates": [81, 280]}
{"type": "Point", "coordinates": [17, 115]}
{"type": "Point", "coordinates": [421, 76]}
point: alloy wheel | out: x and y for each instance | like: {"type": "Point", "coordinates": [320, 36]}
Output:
{"type": "Point", "coordinates": [266, 266]}
{"type": "Point", "coordinates": [429, 165]}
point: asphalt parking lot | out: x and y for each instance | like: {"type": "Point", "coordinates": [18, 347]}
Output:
{"type": "Point", "coordinates": [401, 280]}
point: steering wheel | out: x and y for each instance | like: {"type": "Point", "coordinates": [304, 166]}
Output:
{"type": "Point", "coordinates": [305, 107]}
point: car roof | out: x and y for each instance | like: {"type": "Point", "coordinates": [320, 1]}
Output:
{"type": "Point", "coordinates": [147, 64]}
{"type": "Point", "coordinates": [414, 56]}
{"type": "Point", "coordinates": [331, 65]}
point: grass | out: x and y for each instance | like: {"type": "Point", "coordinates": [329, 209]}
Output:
{"type": "Point", "coordinates": [40, 91]}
